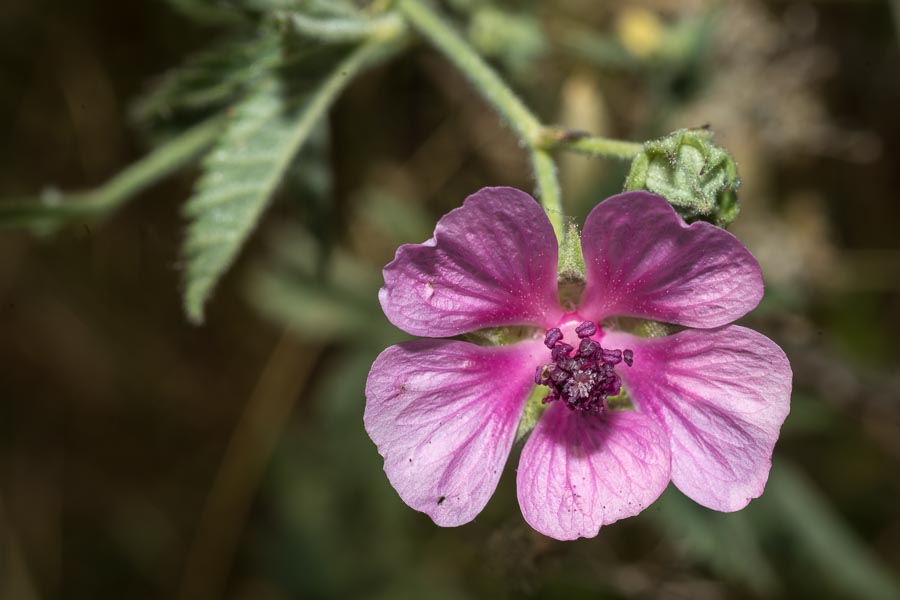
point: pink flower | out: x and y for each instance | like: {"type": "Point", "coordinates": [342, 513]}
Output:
{"type": "Point", "coordinates": [709, 400]}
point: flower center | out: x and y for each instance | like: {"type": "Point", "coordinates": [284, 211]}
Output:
{"type": "Point", "coordinates": [582, 378]}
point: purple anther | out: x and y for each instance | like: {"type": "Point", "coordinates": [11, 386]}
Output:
{"type": "Point", "coordinates": [581, 380]}
{"type": "Point", "coordinates": [560, 352]}
{"type": "Point", "coordinates": [587, 348]}
{"type": "Point", "coordinates": [612, 357]}
{"type": "Point", "coordinates": [612, 386]}
{"type": "Point", "coordinates": [586, 329]}
{"type": "Point", "coordinates": [557, 375]}
{"type": "Point", "coordinates": [569, 365]}
{"type": "Point", "coordinates": [553, 335]}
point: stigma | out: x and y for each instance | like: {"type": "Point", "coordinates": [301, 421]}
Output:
{"type": "Point", "coordinates": [581, 378]}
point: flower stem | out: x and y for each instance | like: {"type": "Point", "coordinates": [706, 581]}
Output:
{"type": "Point", "coordinates": [547, 184]}
{"type": "Point", "coordinates": [482, 76]}
{"type": "Point", "coordinates": [585, 143]}
{"type": "Point", "coordinates": [539, 140]}
{"type": "Point", "coordinates": [53, 208]}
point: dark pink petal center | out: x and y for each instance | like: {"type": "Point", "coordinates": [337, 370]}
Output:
{"type": "Point", "coordinates": [581, 378]}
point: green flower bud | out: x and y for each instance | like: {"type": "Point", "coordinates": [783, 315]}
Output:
{"type": "Point", "coordinates": [696, 176]}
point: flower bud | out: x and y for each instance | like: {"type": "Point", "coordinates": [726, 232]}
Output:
{"type": "Point", "coordinates": [696, 176]}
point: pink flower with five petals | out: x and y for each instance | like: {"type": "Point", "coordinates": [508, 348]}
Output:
{"type": "Point", "coordinates": [709, 400]}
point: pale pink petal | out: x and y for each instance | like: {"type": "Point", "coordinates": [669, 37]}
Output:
{"type": "Point", "coordinates": [443, 415]}
{"type": "Point", "coordinates": [643, 261]}
{"type": "Point", "coordinates": [579, 472]}
{"type": "Point", "coordinates": [722, 396]}
{"type": "Point", "coordinates": [491, 262]}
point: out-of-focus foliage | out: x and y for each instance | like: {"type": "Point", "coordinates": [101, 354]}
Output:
{"type": "Point", "coordinates": [263, 135]}
{"type": "Point", "coordinates": [53, 209]}
{"type": "Point", "coordinates": [335, 293]}
{"type": "Point", "coordinates": [272, 85]}
{"type": "Point", "coordinates": [730, 545]}
{"type": "Point", "coordinates": [208, 81]}
{"type": "Point", "coordinates": [117, 415]}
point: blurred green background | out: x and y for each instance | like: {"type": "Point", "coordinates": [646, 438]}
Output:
{"type": "Point", "coordinates": [143, 457]}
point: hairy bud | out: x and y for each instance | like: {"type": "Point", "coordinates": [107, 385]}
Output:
{"type": "Point", "coordinates": [696, 176]}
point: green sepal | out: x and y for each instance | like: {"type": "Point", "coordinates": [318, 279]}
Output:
{"type": "Point", "coordinates": [620, 402]}
{"type": "Point", "coordinates": [695, 175]}
{"type": "Point", "coordinates": [499, 336]}
{"type": "Point", "coordinates": [534, 408]}
{"type": "Point", "coordinates": [571, 271]}
{"type": "Point", "coordinates": [571, 259]}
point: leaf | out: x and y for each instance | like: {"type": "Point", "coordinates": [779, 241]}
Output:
{"type": "Point", "coordinates": [243, 172]}
{"type": "Point", "coordinates": [291, 287]}
{"type": "Point", "coordinates": [315, 309]}
{"type": "Point", "coordinates": [227, 11]}
{"type": "Point", "coordinates": [209, 79]}
{"type": "Point", "coordinates": [840, 555]}
{"type": "Point", "coordinates": [727, 543]}
{"type": "Point", "coordinates": [207, 11]}
{"type": "Point", "coordinates": [337, 29]}
{"type": "Point", "coordinates": [323, 8]}
{"type": "Point", "coordinates": [399, 219]}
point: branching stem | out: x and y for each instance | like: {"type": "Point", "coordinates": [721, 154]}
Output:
{"type": "Point", "coordinates": [539, 139]}
{"type": "Point", "coordinates": [135, 178]}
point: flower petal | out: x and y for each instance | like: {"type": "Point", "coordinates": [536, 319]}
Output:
{"type": "Point", "coordinates": [491, 262]}
{"type": "Point", "coordinates": [722, 396]}
{"type": "Point", "coordinates": [643, 261]}
{"type": "Point", "coordinates": [443, 415]}
{"type": "Point", "coordinates": [578, 472]}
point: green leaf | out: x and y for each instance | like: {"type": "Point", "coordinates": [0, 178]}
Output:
{"type": "Point", "coordinates": [207, 11]}
{"type": "Point", "coordinates": [400, 219]}
{"type": "Point", "coordinates": [338, 29]}
{"type": "Point", "coordinates": [726, 543]}
{"type": "Point", "coordinates": [840, 555]}
{"type": "Point", "coordinates": [290, 287]}
{"type": "Point", "coordinates": [313, 308]}
{"type": "Point", "coordinates": [231, 11]}
{"type": "Point", "coordinates": [209, 79]}
{"type": "Point", "coordinates": [243, 172]}
{"type": "Point", "coordinates": [320, 8]}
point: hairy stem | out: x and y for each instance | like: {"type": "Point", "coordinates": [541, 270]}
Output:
{"type": "Point", "coordinates": [499, 95]}
{"type": "Point", "coordinates": [53, 208]}
{"type": "Point", "coordinates": [539, 140]}
{"type": "Point", "coordinates": [158, 164]}
{"type": "Point", "coordinates": [548, 190]}
{"type": "Point", "coordinates": [482, 76]}
{"type": "Point", "coordinates": [585, 143]}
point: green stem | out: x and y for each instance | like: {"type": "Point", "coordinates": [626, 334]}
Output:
{"type": "Point", "coordinates": [482, 76]}
{"type": "Point", "coordinates": [576, 141]}
{"type": "Point", "coordinates": [53, 208]}
{"type": "Point", "coordinates": [539, 140]}
{"type": "Point", "coordinates": [160, 163]}
{"type": "Point", "coordinates": [497, 93]}
{"type": "Point", "coordinates": [548, 190]}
